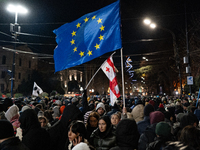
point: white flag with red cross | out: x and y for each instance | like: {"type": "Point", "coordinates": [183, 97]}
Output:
{"type": "Point", "coordinates": [109, 69]}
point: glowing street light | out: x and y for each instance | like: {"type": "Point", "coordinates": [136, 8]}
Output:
{"type": "Point", "coordinates": [22, 10]}
{"type": "Point", "coordinates": [17, 9]}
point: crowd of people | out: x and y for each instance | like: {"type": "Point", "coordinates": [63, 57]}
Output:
{"type": "Point", "coordinates": [91, 123]}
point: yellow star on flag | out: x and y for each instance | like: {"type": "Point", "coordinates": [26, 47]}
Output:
{"type": "Point", "coordinates": [81, 53]}
{"type": "Point", "coordinates": [73, 33]}
{"type": "Point", "coordinates": [97, 46]}
{"type": "Point", "coordinates": [86, 19]}
{"type": "Point", "coordinates": [94, 17]}
{"type": "Point", "coordinates": [101, 37]}
{"type": "Point", "coordinates": [72, 42]}
{"type": "Point", "coordinates": [99, 21]}
{"type": "Point", "coordinates": [102, 28]}
{"type": "Point", "coordinates": [89, 52]}
{"type": "Point", "coordinates": [78, 25]}
{"type": "Point", "coordinates": [75, 49]}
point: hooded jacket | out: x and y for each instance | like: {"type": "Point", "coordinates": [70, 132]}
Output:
{"type": "Point", "coordinates": [34, 137]}
{"type": "Point", "coordinates": [59, 131]}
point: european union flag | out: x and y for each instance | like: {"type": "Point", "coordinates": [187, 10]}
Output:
{"type": "Point", "coordinates": [88, 37]}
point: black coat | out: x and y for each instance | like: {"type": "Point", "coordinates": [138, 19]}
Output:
{"type": "Point", "coordinates": [34, 137]}
{"type": "Point", "coordinates": [59, 131]}
{"type": "Point", "coordinates": [13, 144]}
{"type": "Point", "coordinates": [103, 143]}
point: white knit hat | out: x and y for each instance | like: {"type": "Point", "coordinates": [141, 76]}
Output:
{"type": "Point", "coordinates": [100, 105]}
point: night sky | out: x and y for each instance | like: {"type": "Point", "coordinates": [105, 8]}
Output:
{"type": "Point", "coordinates": [46, 15]}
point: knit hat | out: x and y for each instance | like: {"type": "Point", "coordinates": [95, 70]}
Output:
{"type": "Point", "coordinates": [74, 99]}
{"type": "Point", "coordinates": [6, 129]}
{"type": "Point", "coordinates": [152, 103]}
{"type": "Point", "coordinates": [127, 134]}
{"type": "Point", "coordinates": [156, 117]}
{"type": "Point", "coordinates": [58, 102]}
{"type": "Point", "coordinates": [148, 109]}
{"type": "Point", "coordinates": [11, 112]}
{"type": "Point", "coordinates": [163, 129]}
{"type": "Point", "coordinates": [100, 105]}
{"type": "Point", "coordinates": [25, 108]}
{"type": "Point", "coordinates": [161, 106]}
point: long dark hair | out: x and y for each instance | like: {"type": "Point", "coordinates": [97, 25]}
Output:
{"type": "Point", "coordinates": [107, 120]}
{"type": "Point", "coordinates": [190, 136]}
{"type": "Point", "coordinates": [78, 127]}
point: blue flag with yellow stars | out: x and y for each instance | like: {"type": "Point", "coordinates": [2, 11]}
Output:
{"type": "Point", "coordinates": [88, 37]}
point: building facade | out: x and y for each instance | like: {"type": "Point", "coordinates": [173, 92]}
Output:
{"type": "Point", "coordinates": [24, 65]}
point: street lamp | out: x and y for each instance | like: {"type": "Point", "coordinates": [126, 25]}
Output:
{"type": "Point", "coordinates": [15, 9]}
{"type": "Point", "coordinates": [176, 55]}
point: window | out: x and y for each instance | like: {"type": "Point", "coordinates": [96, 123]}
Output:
{"type": "Point", "coordinates": [29, 64]}
{"type": "Point", "coordinates": [20, 62]}
{"type": "Point", "coordinates": [19, 75]}
{"type": "Point", "coordinates": [2, 88]}
{"type": "Point", "coordinates": [3, 74]}
{"type": "Point", "coordinates": [4, 59]}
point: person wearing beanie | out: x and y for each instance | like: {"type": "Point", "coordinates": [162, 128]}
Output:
{"type": "Point", "coordinates": [12, 115]}
{"type": "Point", "coordinates": [7, 139]}
{"type": "Point", "coordinates": [34, 137]}
{"type": "Point", "coordinates": [161, 108]}
{"type": "Point", "coordinates": [163, 134]}
{"type": "Point", "coordinates": [127, 135]}
{"type": "Point", "coordinates": [146, 121]}
{"type": "Point", "coordinates": [149, 134]}
{"type": "Point", "coordinates": [100, 109]}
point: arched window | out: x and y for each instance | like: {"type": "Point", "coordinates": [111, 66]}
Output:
{"type": "Point", "coordinates": [4, 59]}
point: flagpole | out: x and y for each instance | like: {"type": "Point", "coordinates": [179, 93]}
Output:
{"type": "Point", "coordinates": [96, 73]}
{"type": "Point", "coordinates": [92, 78]}
{"type": "Point", "coordinates": [122, 68]}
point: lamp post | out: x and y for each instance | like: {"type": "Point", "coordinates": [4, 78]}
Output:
{"type": "Point", "coordinates": [176, 54]}
{"type": "Point", "coordinates": [15, 9]}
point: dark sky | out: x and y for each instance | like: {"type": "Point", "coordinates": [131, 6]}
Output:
{"type": "Point", "coordinates": [46, 15]}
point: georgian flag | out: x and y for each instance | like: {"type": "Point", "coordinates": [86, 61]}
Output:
{"type": "Point", "coordinates": [109, 69]}
{"type": "Point", "coordinates": [36, 90]}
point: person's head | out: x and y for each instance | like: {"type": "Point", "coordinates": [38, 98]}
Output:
{"type": "Point", "coordinates": [148, 109]}
{"type": "Point", "coordinates": [93, 120]}
{"type": "Point", "coordinates": [115, 118]}
{"type": "Point", "coordinates": [100, 109]}
{"type": "Point", "coordinates": [156, 117]}
{"type": "Point", "coordinates": [190, 136]}
{"type": "Point", "coordinates": [127, 134]}
{"type": "Point", "coordinates": [6, 130]}
{"type": "Point", "coordinates": [104, 123]}
{"type": "Point", "coordinates": [75, 129]}
{"type": "Point", "coordinates": [163, 129]}
{"type": "Point", "coordinates": [43, 121]}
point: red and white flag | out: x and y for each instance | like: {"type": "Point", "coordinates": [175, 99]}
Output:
{"type": "Point", "coordinates": [109, 69]}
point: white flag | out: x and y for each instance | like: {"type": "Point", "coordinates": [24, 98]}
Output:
{"type": "Point", "coordinates": [109, 69]}
{"type": "Point", "coordinates": [36, 90]}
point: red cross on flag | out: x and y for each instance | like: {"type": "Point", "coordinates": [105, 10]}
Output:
{"type": "Point", "coordinates": [109, 69]}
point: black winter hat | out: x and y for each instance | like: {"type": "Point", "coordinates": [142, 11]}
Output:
{"type": "Point", "coordinates": [127, 133]}
{"type": "Point", "coordinates": [148, 109]}
{"type": "Point", "coordinates": [6, 129]}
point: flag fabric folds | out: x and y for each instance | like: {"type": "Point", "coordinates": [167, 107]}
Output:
{"type": "Point", "coordinates": [109, 69]}
{"type": "Point", "coordinates": [36, 90]}
{"type": "Point", "coordinates": [88, 37]}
